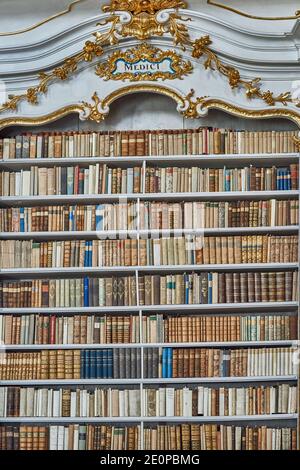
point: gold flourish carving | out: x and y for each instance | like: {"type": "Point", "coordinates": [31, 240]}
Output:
{"type": "Point", "coordinates": [43, 119]}
{"type": "Point", "coordinates": [144, 52]}
{"type": "Point", "coordinates": [93, 112]}
{"type": "Point", "coordinates": [143, 6]}
{"type": "Point", "coordinates": [115, 33]}
{"type": "Point", "coordinates": [254, 17]}
{"type": "Point", "coordinates": [191, 112]}
{"type": "Point", "coordinates": [253, 88]}
{"type": "Point", "coordinates": [189, 106]}
{"type": "Point", "coordinates": [144, 24]}
{"type": "Point", "coordinates": [90, 51]}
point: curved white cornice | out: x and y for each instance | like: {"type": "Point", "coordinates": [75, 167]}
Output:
{"type": "Point", "coordinates": [239, 46]}
{"type": "Point", "coordinates": [272, 78]}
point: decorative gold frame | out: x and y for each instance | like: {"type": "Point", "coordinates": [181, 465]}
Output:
{"type": "Point", "coordinates": [254, 17]}
{"type": "Point", "coordinates": [45, 21]}
{"type": "Point", "coordinates": [188, 106]}
{"type": "Point", "coordinates": [147, 52]}
{"type": "Point", "coordinates": [135, 23]}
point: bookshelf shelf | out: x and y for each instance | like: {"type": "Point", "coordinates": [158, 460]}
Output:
{"type": "Point", "coordinates": [216, 344]}
{"type": "Point", "coordinates": [211, 160]}
{"type": "Point", "coordinates": [107, 198]}
{"type": "Point", "coordinates": [239, 307]}
{"type": "Point", "coordinates": [110, 382]}
{"type": "Point", "coordinates": [156, 419]}
{"type": "Point", "coordinates": [91, 235]}
{"type": "Point", "coordinates": [50, 272]}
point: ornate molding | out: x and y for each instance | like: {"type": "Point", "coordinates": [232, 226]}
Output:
{"type": "Point", "coordinates": [254, 17]}
{"type": "Point", "coordinates": [100, 109]}
{"type": "Point", "coordinates": [136, 7]}
{"type": "Point", "coordinates": [130, 21]}
{"type": "Point", "coordinates": [189, 106]}
{"type": "Point", "coordinates": [142, 56]}
{"type": "Point", "coordinates": [45, 21]}
{"type": "Point", "coordinates": [143, 19]}
{"type": "Point", "coordinates": [252, 88]}
{"type": "Point", "coordinates": [43, 119]}
{"type": "Point", "coordinates": [94, 112]}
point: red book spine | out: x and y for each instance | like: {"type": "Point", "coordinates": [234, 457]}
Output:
{"type": "Point", "coordinates": [76, 179]}
{"type": "Point", "coordinates": [52, 329]}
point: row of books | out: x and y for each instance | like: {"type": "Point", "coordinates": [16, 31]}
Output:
{"type": "Point", "coordinates": [157, 402]}
{"type": "Point", "coordinates": [160, 437]}
{"type": "Point", "coordinates": [193, 362]}
{"type": "Point", "coordinates": [189, 250]}
{"type": "Point", "coordinates": [211, 328]}
{"type": "Point", "coordinates": [111, 329]}
{"type": "Point", "coordinates": [174, 289]}
{"type": "Point", "coordinates": [151, 216]}
{"type": "Point", "coordinates": [66, 402]}
{"type": "Point", "coordinates": [205, 250]}
{"type": "Point", "coordinates": [221, 401]}
{"type": "Point", "coordinates": [96, 179]}
{"type": "Point", "coordinates": [219, 437]}
{"type": "Point", "coordinates": [125, 363]}
{"type": "Point", "coordinates": [213, 288]}
{"type": "Point", "coordinates": [72, 437]}
{"type": "Point", "coordinates": [195, 179]}
{"type": "Point", "coordinates": [74, 329]}
{"type": "Point", "coordinates": [149, 142]}
{"type": "Point", "coordinates": [99, 179]}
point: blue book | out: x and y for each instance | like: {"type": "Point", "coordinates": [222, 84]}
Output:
{"type": "Point", "coordinates": [22, 219]}
{"type": "Point", "coordinates": [105, 363]}
{"type": "Point", "coordinates": [110, 364]}
{"type": "Point", "coordinates": [169, 363]}
{"type": "Point", "coordinates": [90, 254]}
{"type": "Point", "coordinates": [86, 255]}
{"type": "Point", "coordinates": [227, 180]}
{"type": "Point", "coordinates": [86, 292]}
{"type": "Point", "coordinates": [210, 287]}
{"type": "Point", "coordinates": [92, 364]}
{"type": "Point", "coordinates": [71, 218]}
{"type": "Point", "coordinates": [277, 179]}
{"type": "Point", "coordinates": [82, 364]}
{"type": "Point", "coordinates": [99, 217]}
{"type": "Point", "coordinates": [164, 363]}
{"type": "Point", "coordinates": [87, 364]}
{"type": "Point", "coordinates": [282, 178]}
{"type": "Point", "coordinates": [99, 364]}
{"type": "Point", "coordinates": [186, 283]}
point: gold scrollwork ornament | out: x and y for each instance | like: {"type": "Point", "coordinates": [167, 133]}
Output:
{"type": "Point", "coordinates": [191, 108]}
{"type": "Point", "coordinates": [143, 19]}
{"type": "Point", "coordinates": [93, 112]}
{"type": "Point", "coordinates": [150, 54]}
{"type": "Point", "coordinates": [253, 87]}
{"type": "Point", "coordinates": [143, 6]}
